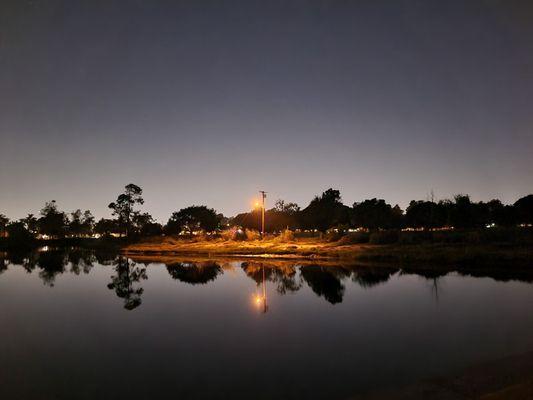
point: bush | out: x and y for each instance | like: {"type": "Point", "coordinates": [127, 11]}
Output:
{"type": "Point", "coordinates": [354, 238]}
{"type": "Point", "coordinates": [285, 236]}
{"type": "Point", "coordinates": [332, 236]}
{"type": "Point", "coordinates": [252, 235]}
{"type": "Point", "coordinates": [449, 237]}
{"type": "Point", "coordinates": [384, 237]}
{"type": "Point", "coordinates": [233, 233]}
{"type": "Point", "coordinates": [415, 237]}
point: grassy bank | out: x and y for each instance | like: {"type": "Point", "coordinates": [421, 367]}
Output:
{"type": "Point", "coordinates": [457, 248]}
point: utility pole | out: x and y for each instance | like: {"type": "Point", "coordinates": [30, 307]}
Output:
{"type": "Point", "coordinates": [263, 197]}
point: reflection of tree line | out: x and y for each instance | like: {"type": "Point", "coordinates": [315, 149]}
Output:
{"type": "Point", "coordinates": [324, 281]}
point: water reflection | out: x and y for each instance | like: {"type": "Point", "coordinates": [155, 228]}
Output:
{"type": "Point", "coordinates": [123, 282]}
{"type": "Point", "coordinates": [327, 279]}
{"type": "Point", "coordinates": [194, 273]}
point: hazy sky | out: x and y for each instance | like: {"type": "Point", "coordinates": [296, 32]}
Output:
{"type": "Point", "coordinates": [202, 102]}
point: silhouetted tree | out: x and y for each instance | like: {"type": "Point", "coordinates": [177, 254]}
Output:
{"type": "Point", "coordinates": [52, 221]}
{"type": "Point", "coordinates": [31, 223]}
{"type": "Point", "coordinates": [282, 216]}
{"type": "Point", "coordinates": [500, 214]}
{"type": "Point", "coordinates": [18, 235]}
{"type": "Point", "coordinates": [106, 227]}
{"type": "Point", "coordinates": [466, 214]}
{"type": "Point", "coordinates": [289, 208]}
{"type": "Point", "coordinates": [425, 214]}
{"type": "Point", "coordinates": [3, 223]}
{"type": "Point", "coordinates": [143, 224]}
{"type": "Point", "coordinates": [74, 224]}
{"type": "Point", "coordinates": [524, 209]}
{"type": "Point", "coordinates": [192, 219]}
{"type": "Point", "coordinates": [123, 207]}
{"type": "Point", "coordinates": [376, 214]}
{"type": "Point", "coordinates": [325, 211]}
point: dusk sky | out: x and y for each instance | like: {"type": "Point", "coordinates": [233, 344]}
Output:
{"type": "Point", "coordinates": [206, 102]}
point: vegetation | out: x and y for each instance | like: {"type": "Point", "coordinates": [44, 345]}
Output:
{"type": "Point", "coordinates": [454, 229]}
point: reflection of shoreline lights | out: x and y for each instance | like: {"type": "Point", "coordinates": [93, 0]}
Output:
{"type": "Point", "coordinates": [258, 300]}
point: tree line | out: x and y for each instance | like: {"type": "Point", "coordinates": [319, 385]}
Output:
{"type": "Point", "coordinates": [324, 212]}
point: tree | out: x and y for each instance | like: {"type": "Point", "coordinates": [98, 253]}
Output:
{"type": "Point", "coordinates": [3, 223]}
{"type": "Point", "coordinates": [123, 207]}
{"type": "Point", "coordinates": [106, 227]}
{"type": "Point", "coordinates": [74, 225]}
{"type": "Point", "coordinates": [31, 224]}
{"type": "Point", "coordinates": [17, 234]}
{"type": "Point", "coordinates": [425, 214]}
{"type": "Point", "coordinates": [193, 218]}
{"type": "Point", "coordinates": [325, 211]}
{"type": "Point", "coordinates": [465, 214]}
{"type": "Point", "coordinates": [81, 224]}
{"type": "Point", "coordinates": [524, 209]}
{"type": "Point", "coordinates": [288, 208]}
{"type": "Point", "coordinates": [499, 214]}
{"type": "Point", "coordinates": [144, 225]}
{"type": "Point", "coordinates": [376, 214]}
{"type": "Point", "coordinates": [87, 222]}
{"type": "Point", "coordinates": [52, 222]}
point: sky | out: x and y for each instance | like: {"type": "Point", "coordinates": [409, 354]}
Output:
{"type": "Point", "coordinates": [208, 102]}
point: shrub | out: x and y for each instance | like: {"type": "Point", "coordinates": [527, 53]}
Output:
{"type": "Point", "coordinates": [285, 236]}
{"type": "Point", "coordinates": [233, 233]}
{"type": "Point", "coordinates": [415, 237]}
{"type": "Point", "coordinates": [354, 238]}
{"type": "Point", "coordinates": [449, 237]}
{"type": "Point", "coordinates": [332, 236]}
{"type": "Point", "coordinates": [252, 235]}
{"type": "Point", "coordinates": [384, 237]}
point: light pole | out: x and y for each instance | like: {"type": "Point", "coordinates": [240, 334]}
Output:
{"type": "Point", "coordinates": [263, 197]}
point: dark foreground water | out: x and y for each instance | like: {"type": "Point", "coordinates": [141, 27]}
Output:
{"type": "Point", "coordinates": [79, 326]}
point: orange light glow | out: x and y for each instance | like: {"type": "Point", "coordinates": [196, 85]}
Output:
{"type": "Point", "coordinates": [258, 300]}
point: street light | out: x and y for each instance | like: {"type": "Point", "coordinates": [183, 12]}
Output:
{"type": "Point", "coordinates": [263, 197]}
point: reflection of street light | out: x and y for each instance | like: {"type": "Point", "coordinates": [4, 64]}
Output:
{"type": "Point", "coordinates": [261, 300]}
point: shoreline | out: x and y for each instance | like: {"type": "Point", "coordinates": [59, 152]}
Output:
{"type": "Point", "coordinates": [515, 256]}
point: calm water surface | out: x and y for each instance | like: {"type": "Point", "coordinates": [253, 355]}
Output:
{"type": "Point", "coordinates": [79, 326]}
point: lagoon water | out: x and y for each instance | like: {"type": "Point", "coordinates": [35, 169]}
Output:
{"type": "Point", "coordinates": [80, 326]}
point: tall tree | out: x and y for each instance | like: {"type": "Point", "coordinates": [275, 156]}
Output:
{"type": "Point", "coordinates": [376, 214]}
{"type": "Point", "coordinates": [124, 207]}
{"type": "Point", "coordinates": [52, 222]}
{"type": "Point", "coordinates": [325, 211]}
